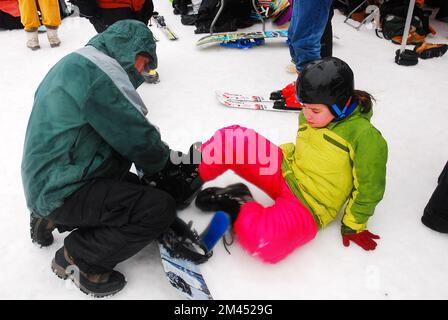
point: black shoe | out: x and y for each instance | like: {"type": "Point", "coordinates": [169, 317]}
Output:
{"type": "Point", "coordinates": [97, 285]}
{"type": "Point", "coordinates": [435, 222]}
{"type": "Point", "coordinates": [180, 180]}
{"type": "Point", "coordinates": [41, 231]}
{"type": "Point", "coordinates": [228, 199]}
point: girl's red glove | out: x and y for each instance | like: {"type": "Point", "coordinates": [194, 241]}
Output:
{"type": "Point", "coordinates": [363, 239]}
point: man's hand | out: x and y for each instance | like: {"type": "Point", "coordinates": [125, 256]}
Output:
{"type": "Point", "coordinates": [364, 239]}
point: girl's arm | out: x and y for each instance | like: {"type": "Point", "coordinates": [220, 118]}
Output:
{"type": "Point", "coordinates": [369, 180]}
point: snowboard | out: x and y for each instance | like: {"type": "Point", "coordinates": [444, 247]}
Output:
{"type": "Point", "coordinates": [185, 275]}
{"type": "Point", "coordinates": [160, 22]}
{"type": "Point", "coordinates": [234, 36]}
{"type": "Point", "coordinates": [239, 101]}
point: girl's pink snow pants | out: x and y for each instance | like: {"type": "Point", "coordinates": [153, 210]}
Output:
{"type": "Point", "coordinates": [273, 232]}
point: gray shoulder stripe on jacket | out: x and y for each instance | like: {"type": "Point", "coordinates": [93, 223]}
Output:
{"type": "Point", "coordinates": [116, 73]}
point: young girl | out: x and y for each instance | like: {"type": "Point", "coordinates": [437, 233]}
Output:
{"type": "Point", "coordinates": [339, 157]}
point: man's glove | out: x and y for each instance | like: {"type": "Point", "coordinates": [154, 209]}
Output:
{"type": "Point", "coordinates": [363, 239]}
{"type": "Point", "coordinates": [180, 180]}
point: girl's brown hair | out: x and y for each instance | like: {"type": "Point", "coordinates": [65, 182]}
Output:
{"type": "Point", "coordinates": [365, 100]}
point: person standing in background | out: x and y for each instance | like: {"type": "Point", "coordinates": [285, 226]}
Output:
{"type": "Point", "coordinates": [103, 13]}
{"type": "Point", "coordinates": [51, 19]}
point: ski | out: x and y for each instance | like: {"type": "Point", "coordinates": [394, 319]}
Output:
{"type": "Point", "coordinates": [160, 22]}
{"type": "Point", "coordinates": [184, 274]}
{"type": "Point", "coordinates": [240, 97]}
{"type": "Point", "coordinates": [253, 102]}
{"type": "Point", "coordinates": [234, 36]}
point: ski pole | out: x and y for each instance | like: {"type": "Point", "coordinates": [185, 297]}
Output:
{"type": "Point", "coordinates": [407, 26]}
{"type": "Point", "coordinates": [259, 15]}
{"type": "Point", "coordinates": [212, 26]}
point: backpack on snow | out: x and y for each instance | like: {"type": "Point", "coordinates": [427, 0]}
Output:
{"type": "Point", "coordinates": [393, 19]}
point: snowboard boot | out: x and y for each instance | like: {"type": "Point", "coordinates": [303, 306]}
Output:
{"type": "Point", "coordinates": [41, 231]}
{"type": "Point", "coordinates": [180, 180]}
{"type": "Point", "coordinates": [52, 35]}
{"type": "Point", "coordinates": [97, 285]}
{"type": "Point", "coordinates": [32, 41]}
{"type": "Point", "coordinates": [428, 50]}
{"type": "Point", "coordinates": [228, 199]}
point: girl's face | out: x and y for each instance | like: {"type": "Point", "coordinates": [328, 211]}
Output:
{"type": "Point", "coordinates": [317, 115]}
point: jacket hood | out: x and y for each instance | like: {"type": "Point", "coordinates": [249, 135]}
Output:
{"type": "Point", "coordinates": [122, 41]}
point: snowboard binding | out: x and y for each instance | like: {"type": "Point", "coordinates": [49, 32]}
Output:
{"type": "Point", "coordinates": [183, 242]}
{"type": "Point", "coordinates": [243, 43]}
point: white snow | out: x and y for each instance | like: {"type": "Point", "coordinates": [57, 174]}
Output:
{"type": "Point", "coordinates": [410, 261]}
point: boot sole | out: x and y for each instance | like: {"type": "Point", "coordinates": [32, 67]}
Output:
{"type": "Point", "coordinates": [64, 275]}
{"type": "Point", "coordinates": [433, 53]}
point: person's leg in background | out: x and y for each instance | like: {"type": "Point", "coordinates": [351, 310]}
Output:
{"type": "Point", "coordinates": [307, 26]}
{"type": "Point", "coordinates": [30, 20]}
{"type": "Point", "coordinates": [51, 18]}
{"type": "Point", "coordinates": [326, 42]}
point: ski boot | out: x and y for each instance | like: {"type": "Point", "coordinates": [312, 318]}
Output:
{"type": "Point", "coordinates": [290, 89]}
{"type": "Point", "coordinates": [180, 178]}
{"type": "Point", "coordinates": [41, 231]}
{"type": "Point", "coordinates": [228, 199]}
{"type": "Point", "coordinates": [285, 99]}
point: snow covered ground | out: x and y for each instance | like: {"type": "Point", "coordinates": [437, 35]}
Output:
{"type": "Point", "coordinates": [410, 261]}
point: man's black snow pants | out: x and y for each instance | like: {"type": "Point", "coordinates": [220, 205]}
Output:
{"type": "Point", "coordinates": [112, 220]}
{"type": "Point", "coordinates": [435, 215]}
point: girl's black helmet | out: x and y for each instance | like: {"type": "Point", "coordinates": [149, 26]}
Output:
{"type": "Point", "coordinates": [327, 81]}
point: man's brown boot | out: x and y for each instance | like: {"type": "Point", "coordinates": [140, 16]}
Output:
{"type": "Point", "coordinates": [97, 285]}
